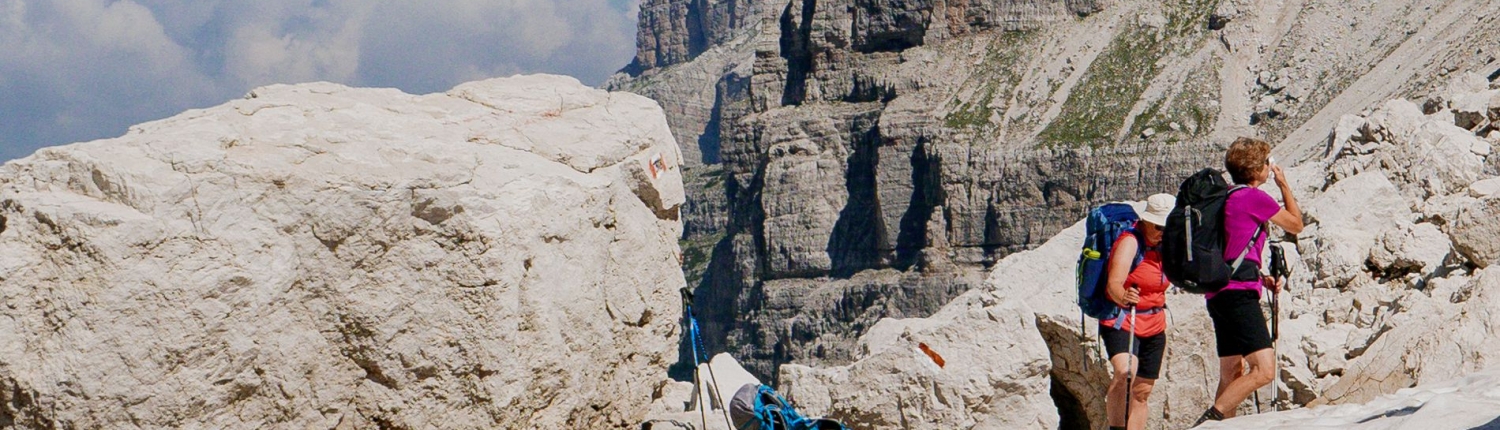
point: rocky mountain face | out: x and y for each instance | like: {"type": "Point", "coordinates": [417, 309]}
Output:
{"type": "Point", "coordinates": [849, 160]}
{"type": "Point", "coordinates": [502, 255]}
{"type": "Point", "coordinates": [1395, 284]}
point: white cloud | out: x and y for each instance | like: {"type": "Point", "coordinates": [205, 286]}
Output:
{"type": "Point", "coordinates": [257, 56]}
{"type": "Point", "coordinates": [73, 69]}
{"type": "Point", "coordinates": [82, 69]}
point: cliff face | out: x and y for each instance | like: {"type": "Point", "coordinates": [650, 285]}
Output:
{"type": "Point", "coordinates": [318, 256]}
{"type": "Point", "coordinates": [845, 136]}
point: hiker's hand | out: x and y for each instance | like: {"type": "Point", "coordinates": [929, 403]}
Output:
{"type": "Point", "coordinates": [1272, 283]}
{"type": "Point", "coordinates": [1132, 296]}
{"type": "Point", "coordinates": [1280, 176]}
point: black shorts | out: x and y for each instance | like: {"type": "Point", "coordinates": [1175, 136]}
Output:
{"type": "Point", "coordinates": [1239, 325]}
{"type": "Point", "coordinates": [1147, 349]}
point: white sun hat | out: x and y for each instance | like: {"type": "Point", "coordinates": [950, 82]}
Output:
{"type": "Point", "coordinates": [1157, 208]}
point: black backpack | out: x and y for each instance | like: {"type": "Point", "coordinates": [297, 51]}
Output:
{"type": "Point", "coordinates": [1192, 244]}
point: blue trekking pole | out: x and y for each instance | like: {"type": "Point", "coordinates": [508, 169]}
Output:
{"type": "Point", "coordinates": [696, 341]}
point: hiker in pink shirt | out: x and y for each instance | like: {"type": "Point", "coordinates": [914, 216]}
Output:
{"type": "Point", "coordinates": [1244, 343]}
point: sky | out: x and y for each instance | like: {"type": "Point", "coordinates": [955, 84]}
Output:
{"type": "Point", "coordinates": [78, 70]}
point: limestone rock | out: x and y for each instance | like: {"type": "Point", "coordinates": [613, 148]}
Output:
{"type": "Point", "coordinates": [1349, 217]}
{"type": "Point", "coordinates": [978, 363]}
{"type": "Point", "coordinates": [1471, 111]}
{"type": "Point", "coordinates": [1444, 210]}
{"type": "Point", "coordinates": [1395, 120]}
{"type": "Point", "coordinates": [1450, 161]}
{"type": "Point", "coordinates": [1494, 110]}
{"type": "Point", "coordinates": [1475, 231]}
{"type": "Point", "coordinates": [1426, 156]}
{"type": "Point", "coordinates": [1467, 402]}
{"type": "Point", "coordinates": [1420, 248]}
{"type": "Point", "coordinates": [1350, 129]}
{"type": "Point", "coordinates": [1485, 188]}
{"type": "Point", "coordinates": [1365, 327]}
{"type": "Point", "coordinates": [502, 255]}
{"type": "Point", "coordinates": [671, 32]}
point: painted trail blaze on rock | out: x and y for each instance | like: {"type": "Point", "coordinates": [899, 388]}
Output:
{"type": "Point", "coordinates": [936, 359]}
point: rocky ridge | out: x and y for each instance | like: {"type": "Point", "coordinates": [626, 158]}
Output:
{"type": "Point", "coordinates": [891, 138]}
{"type": "Point", "coordinates": [318, 256]}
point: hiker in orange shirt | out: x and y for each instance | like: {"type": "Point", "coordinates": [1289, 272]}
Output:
{"type": "Point", "coordinates": [1136, 360]}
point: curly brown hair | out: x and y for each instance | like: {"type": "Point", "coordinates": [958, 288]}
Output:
{"type": "Point", "coordinates": [1245, 158]}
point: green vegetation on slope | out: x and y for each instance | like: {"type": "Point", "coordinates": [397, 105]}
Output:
{"type": "Point", "coordinates": [1114, 82]}
{"type": "Point", "coordinates": [1191, 108]}
{"type": "Point", "coordinates": [996, 76]}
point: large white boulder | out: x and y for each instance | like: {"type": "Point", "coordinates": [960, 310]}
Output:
{"type": "Point", "coordinates": [1350, 217]}
{"type": "Point", "coordinates": [503, 255]}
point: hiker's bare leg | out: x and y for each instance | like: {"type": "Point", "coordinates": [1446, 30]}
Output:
{"type": "Point", "coordinates": [1140, 391]}
{"type": "Point", "coordinates": [1114, 402]}
{"type": "Point", "coordinates": [1258, 374]}
{"type": "Point", "coordinates": [1230, 368]}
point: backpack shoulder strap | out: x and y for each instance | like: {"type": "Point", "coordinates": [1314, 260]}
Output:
{"type": "Point", "coordinates": [1253, 238]}
{"type": "Point", "coordinates": [1140, 249]}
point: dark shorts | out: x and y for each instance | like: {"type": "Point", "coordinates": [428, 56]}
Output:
{"type": "Point", "coordinates": [1239, 325]}
{"type": "Point", "coordinates": [1147, 349]}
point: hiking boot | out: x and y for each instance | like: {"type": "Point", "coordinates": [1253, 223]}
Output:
{"type": "Point", "coordinates": [1209, 415]}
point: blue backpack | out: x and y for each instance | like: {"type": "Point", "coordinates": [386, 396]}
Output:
{"type": "Point", "coordinates": [773, 412]}
{"type": "Point", "coordinates": [1104, 225]}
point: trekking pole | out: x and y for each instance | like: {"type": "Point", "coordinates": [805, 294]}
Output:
{"type": "Point", "coordinates": [1275, 353]}
{"type": "Point", "coordinates": [697, 341]}
{"type": "Point", "coordinates": [1281, 272]}
{"type": "Point", "coordinates": [1130, 367]}
{"type": "Point", "coordinates": [687, 320]}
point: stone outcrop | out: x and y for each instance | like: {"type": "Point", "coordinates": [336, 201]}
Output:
{"type": "Point", "coordinates": [832, 131]}
{"type": "Point", "coordinates": [1396, 250]}
{"type": "Point", "coordinates": [977, 363]}
{"type": "Point", "coordinates": [502, 255]}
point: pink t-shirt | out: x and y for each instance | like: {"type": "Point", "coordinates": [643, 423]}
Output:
{"type": "Point", "coordinates": [1245, 210]}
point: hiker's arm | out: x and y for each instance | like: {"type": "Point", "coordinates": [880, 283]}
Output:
{"type": "Point", "coordinates": [1290, 216]}
{"type": "Point", "coordinates": [1120, 260]}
